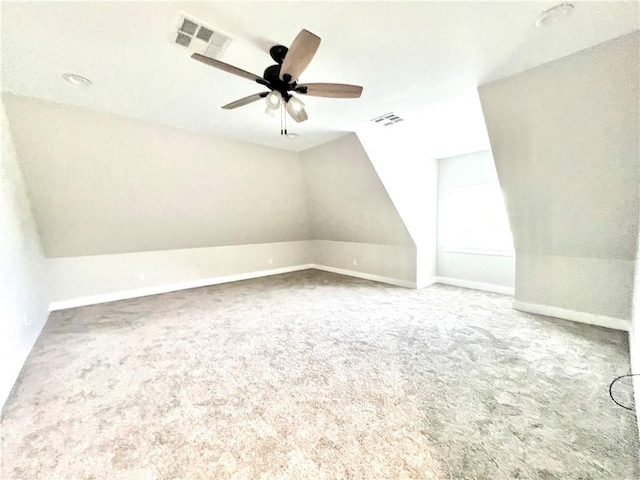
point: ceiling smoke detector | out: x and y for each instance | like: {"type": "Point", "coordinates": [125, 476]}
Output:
{"type": "Point", "coordinates": [199, 38]}
{"type": "Point", "coordinates": [554, 15]}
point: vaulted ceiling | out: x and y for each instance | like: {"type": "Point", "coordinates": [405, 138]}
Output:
{"type": "Point", "coordinates": [408, 56]}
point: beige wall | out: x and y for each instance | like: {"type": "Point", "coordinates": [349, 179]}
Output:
{"type": "Point", "coordinates": [395, 264]}
{"type": "Point", "coordinates": [347, 200]}
{"type": "Point", "coordinates": [24, 297]}
{"type": "Point", "coordinates": [565, 141]}
{"type": "Point", "coordinates": [124, 206]}
{"type": "Point", "coordinates": [102, 184]}
{"type": "Point", "coordinates": [354, 223]}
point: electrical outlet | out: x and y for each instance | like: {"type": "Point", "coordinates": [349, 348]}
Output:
{"type": "Point", "coordinates": [270, 261]}
{"type": "Point", "coordinates": [141, 277]}
{"type": "Point", "coordinates": [354, 261]}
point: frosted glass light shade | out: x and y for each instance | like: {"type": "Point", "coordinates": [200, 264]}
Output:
{"type": "Point", "coordinates": [274, 99]}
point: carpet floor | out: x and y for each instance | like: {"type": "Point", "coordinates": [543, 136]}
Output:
{"type": "Point", "coordinates": [312, 375]}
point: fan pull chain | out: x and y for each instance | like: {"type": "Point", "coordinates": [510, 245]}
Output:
{"type": "Point", "coordinates": [283, 120]}
{"type": "Point", "coordinates": [284, 114]}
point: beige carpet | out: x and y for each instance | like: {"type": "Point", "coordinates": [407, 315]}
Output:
{"type": "Point", "coordinates": [312, 375]}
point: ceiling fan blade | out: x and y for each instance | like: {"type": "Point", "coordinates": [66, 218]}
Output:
{"type": "Point", "coordinates": [302, 50]}
{"type": "Point", "coordinates": [333, 90]}
{"type": "Point", "coordinates": [245, 100]}
{"type": "Point", "coordinates": [227, 68]}
{"type": "Point", "coordinates": [295, 108]}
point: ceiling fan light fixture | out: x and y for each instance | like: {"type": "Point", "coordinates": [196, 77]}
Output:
{"type": "Point", "coordinates": [295, 104]}
{"type": "Point", "coordinates": [554, 15]}
{"type": "Point", "coordinates": [274, 99]}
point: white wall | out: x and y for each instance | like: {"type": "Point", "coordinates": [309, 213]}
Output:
{"type": "Point", "coordinates": [23, 293]}
{"type": "Point", "coordinates": [399, 156]}
{"type": "Point", "coordinates": [492, 272]}
{"type": "Point", "coordinates": [90, 279]}
{"type": "Point", "coordinates": [85, 280]}
{"type": "Point", "coordinates": [103, 184]}
{"type": "Point", "coordinates": [565, 141]}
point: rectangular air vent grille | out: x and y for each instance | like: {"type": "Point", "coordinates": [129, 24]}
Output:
{"type": "Point", "coordinates": [387, 119]}
{"type": "Point", "coordinates": [199, 38]}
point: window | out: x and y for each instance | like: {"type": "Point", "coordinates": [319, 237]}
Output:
{"type": "Point", "coordinates": [475, 221]}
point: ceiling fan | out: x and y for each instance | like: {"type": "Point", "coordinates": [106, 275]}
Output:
{"type": "Point", "coordinates": [281, 79]}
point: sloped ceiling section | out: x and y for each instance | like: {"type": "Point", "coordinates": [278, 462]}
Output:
{"type": "Point", "coordinates": [404, 154]}
{"type": "Point", "coordinates": [404, 157]}
{"type": "Point", "coordinates": [410, 176]}
{"type": "Point", "coordinates": [347, 201]}
{"type": "Point", "coordinates": [565, 141]}
{"type": "Point", "coordinates": [103, 184]}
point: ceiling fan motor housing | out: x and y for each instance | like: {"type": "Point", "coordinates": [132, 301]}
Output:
{"type": "Point", "coordinates": [278, 52]}
{"type": "Point", "coordinates": [272, 76]}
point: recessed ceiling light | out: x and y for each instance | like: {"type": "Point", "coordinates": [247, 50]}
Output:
{"type": "Point", "coordinates": [77, 80]}
{"type": "Point", "coordinates": [293, 135]}
{"type": "Point", "coordinates": [554, 15]}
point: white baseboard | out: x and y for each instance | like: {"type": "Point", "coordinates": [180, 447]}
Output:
{"type": "Point", "coordinates": [574, 315]}
{"type": "Point", "coordinates": [487, 287]}
{"type": "Point", "coordinates": [634, 356]}
{"type": "Point", "coordinates": [143, 292]}
{"type": "Point", "coordinates": [427, 282]}
{"type": "Point", "coordinates": [155, 290]}
{"type": "Point", "coordinates": [366, 276]}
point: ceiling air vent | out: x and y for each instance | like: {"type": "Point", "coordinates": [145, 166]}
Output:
{"type": "Point", "coordinates": [199, 38]}
{"type": "Point", "coordinates": [387, 119]}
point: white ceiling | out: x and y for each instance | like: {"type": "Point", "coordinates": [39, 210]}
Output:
{"type": "Point", "coordinates": [407, 55]}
